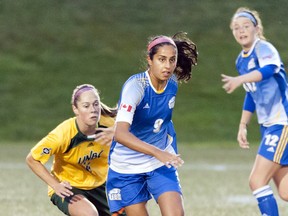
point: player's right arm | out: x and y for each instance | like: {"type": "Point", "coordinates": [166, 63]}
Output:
{"type": "Point", "coordinates": [242, 132]}
{"type": "Point", "coordinates": [248, 110]}
{"type": "Point", "coordinates": [231, 83]}
{"type": "Point", "coordinates": [62, 189]}
{"type": "Point", "coordinates": [132, 94]}
{"type": "Point", "coordinates": [125, 137]}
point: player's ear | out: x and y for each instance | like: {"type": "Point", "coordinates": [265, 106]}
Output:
{"type": "Point", "coordinates": [75, 110]}
{"type": "Point", "coordinates": [149, 60]}
{"type": "Point", "coordinates": [258, 30]}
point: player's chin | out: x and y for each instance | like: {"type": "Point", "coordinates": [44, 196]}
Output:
{"type": "Point", "coordinates": [93, 121]}
{"type": "Point", "coordinates": [166, 77]}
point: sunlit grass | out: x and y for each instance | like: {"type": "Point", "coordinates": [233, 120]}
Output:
{"type": "Point", "coordinates": [214, 181]}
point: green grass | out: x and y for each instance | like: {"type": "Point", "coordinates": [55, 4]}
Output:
{"type": "Point", "coordinates": [214, 182]}
{"type": "Point", "coordinates": [49, 47]}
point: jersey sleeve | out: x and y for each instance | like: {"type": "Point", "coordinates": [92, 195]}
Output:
{"type": "Point", "coordinates": [249, 104]}
{"type": "Point", "coordinates": [267, 71]}
{"type": "Point", "coordinates": [268, 55]}
{"type": "Point", "coordinates": [51, 144]}
{"type": "Point", "coordinates": [131, 96]}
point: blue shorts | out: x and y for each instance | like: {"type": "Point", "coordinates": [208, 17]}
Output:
{"type": "Point", "coordinates": [128, 189]}
{"type": "Point", "coordinates": [274, 143]}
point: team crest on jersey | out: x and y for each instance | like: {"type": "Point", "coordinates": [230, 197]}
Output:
{"type": "Point", "coordinates": [114, 194]}
{"type": "Point", "coordinates": [171, 102]}
{"type": "Point", "coordinates": [251, 64]}
{"type": "Point", "coordinates": [46, 151]}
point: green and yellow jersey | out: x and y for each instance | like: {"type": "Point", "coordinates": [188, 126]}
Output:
{"type": "Point", "coordinates": [77, 160]}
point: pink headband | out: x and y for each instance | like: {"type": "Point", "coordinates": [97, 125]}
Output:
{"type": "Point", "coordinates": [80, 91]}
{"type": "Point", "coordinates": [162, 39]}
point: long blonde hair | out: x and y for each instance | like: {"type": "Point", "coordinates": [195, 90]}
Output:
{"type": "Point", "coordinates": [256, 15]}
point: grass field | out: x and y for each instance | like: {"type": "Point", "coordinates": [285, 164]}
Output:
{"type": "Point", "coordinates": [214, 181]}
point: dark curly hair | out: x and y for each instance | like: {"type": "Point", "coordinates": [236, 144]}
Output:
{"type": "Point", "coordinates": [187, 55]}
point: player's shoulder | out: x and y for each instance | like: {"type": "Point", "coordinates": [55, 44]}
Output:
{"type": "Point", "coordinates": [263, 46]}
{"type": "Point", "coordinates": [140, 77]}
{"type": "Point", "coordinates": [66, 125]}
{"type": "Point", "coordinates": [61, 135]}
{"type": "Point", "coordinates": [68, 122]}
{"type": "Point", "coordinates": [106, 121]}
{"type": "Point", "coordinates": [138, 80]}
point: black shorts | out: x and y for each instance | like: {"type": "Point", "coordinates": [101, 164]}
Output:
{"type": "Point", "coordinates": [96, 196]}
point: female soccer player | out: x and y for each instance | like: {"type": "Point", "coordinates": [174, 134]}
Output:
{"type": "Point", "coordinates": [143, 157]}
{"type": "Point", "coordinates": [263, 77]}
{"type": "Point", "coordinates": [80, 146]}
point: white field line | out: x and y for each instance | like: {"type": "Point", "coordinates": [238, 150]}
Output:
{"type": "Point", "coordinates": [241, 199]}
{"type": "Point", "coordinates": [17, 165]}
{"type": "Point", "coordinates": [215, 167]}
{"type": "Point", "coordinates": [186, 166]}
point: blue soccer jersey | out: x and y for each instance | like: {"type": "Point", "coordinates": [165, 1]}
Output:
{"type": "Point", "coordinates": [270, 94]}
{"type": "Point", "coordinates": [149, 113]}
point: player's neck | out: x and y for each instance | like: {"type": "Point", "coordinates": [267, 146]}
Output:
{"type": "Point", "coordinates": [85, 128]}
{"type": "Point", "coordinates": [158, 84]}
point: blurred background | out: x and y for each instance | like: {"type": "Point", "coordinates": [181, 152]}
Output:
{"type": "Point", "coordinates": [49, 47]}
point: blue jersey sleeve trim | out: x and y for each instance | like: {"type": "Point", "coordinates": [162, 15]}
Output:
{"type": "Point", "coordinates": [249, 104]}
{"type": "Point", "coordinates": [267, 71]}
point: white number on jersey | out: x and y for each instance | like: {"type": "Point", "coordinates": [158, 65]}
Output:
{"type": "Point", "coordinates": [250, 87]}
{"type": "Point", "coordinates": [271, 140]}
{"type": "Point", "coordinates": [157, 125]}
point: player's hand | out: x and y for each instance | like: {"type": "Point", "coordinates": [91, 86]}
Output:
{"type": "Point", "coordinates": [242, 137]}
{"type": "Point", "coordinates": [104, 135]}
{"type": "Point", "coordinates": [63, 189]}
{"type": "Point", "coordinates": [170, 159]}
{"type": "Point", "coordinates": [230, 83]}
{"type": "Point", "coordinates": [175, 161]}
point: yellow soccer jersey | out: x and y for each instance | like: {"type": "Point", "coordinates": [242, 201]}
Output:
{"type": "Point", "coordinates": [77, 160]}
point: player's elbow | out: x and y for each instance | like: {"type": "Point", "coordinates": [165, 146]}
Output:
{"type": "Point", "coordinates": [29, 159]}
{"type": "Point", "coordinates": [121, 132]}
{"type": "Point", "coordinates": [118, 136]}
